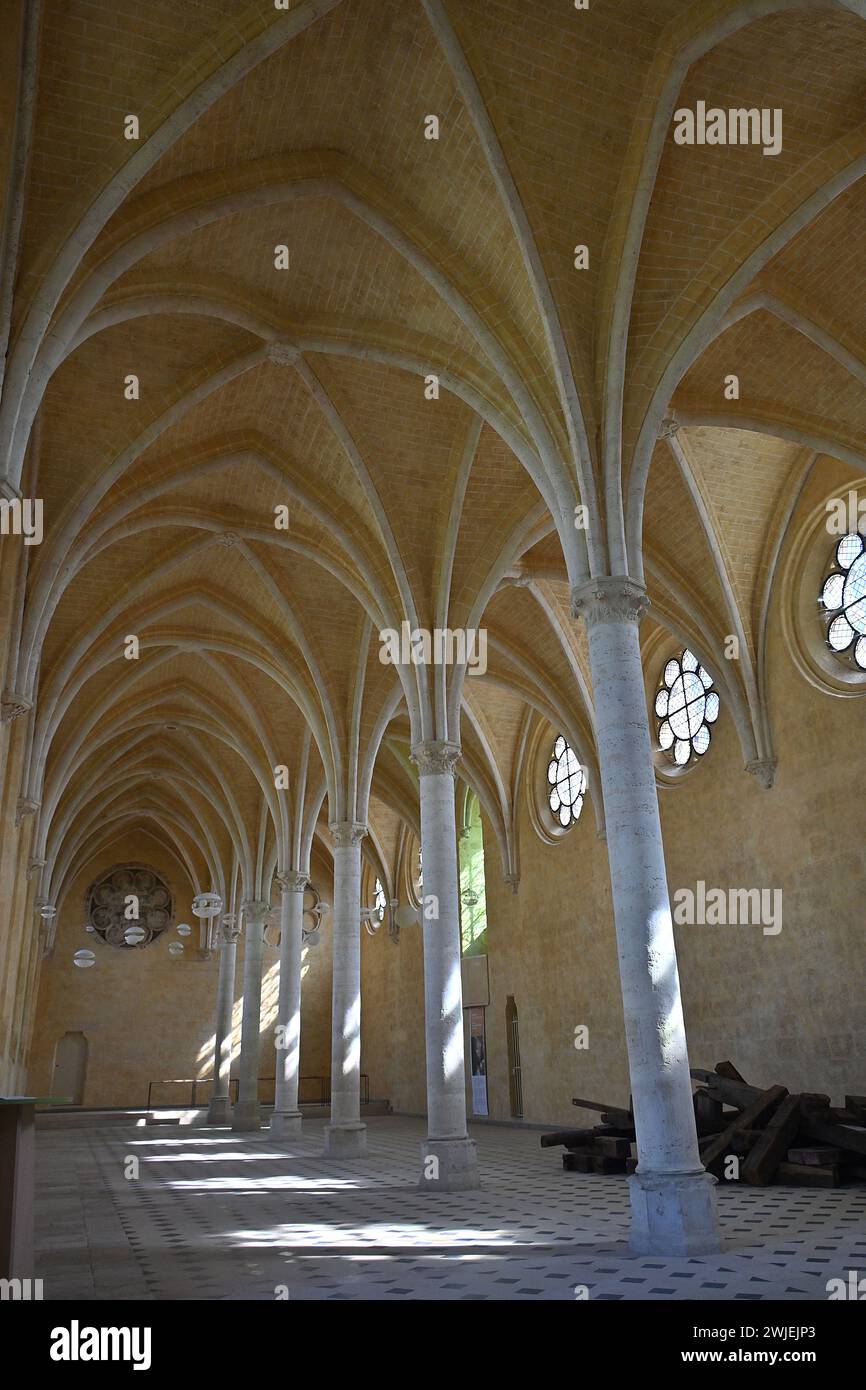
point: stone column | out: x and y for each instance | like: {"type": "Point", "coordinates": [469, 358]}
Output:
{"type": "Point", "coordinates": [672, 1197]}
{"type": "Point", "coordinates": [286, 1119]}
{"type": "Point", "coordinates": [220, 1109]}
{"type": "Point", "coordinates": [448, 1155]}
{"type": "Point", "coordinates": [346, 1136]}
{"type": "Point", "coordinates": [246, 1114]}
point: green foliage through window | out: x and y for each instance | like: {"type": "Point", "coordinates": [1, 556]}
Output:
{"type": "Point", "coordinates": [473, 900]}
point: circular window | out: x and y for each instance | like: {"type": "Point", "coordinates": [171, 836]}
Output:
{"type": "Point", "coordinates": [686, 705]}
{"type": "Point", "coordinates": [566, 784]}
{"type": "Point", "coordinates": [843, 598]}
{"type": "Point", "coordinates": [131, 895]}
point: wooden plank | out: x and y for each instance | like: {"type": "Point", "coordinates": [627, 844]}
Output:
{"type": "Point", "coordinates": [856, 1105]}
{"type": "Point", "coordinates": [708, 1112]}
{"type": "Point", "coordinates": [817, 1155]}
{"type": "Point", "coordinates": [610, 1113]}
{"type": "Point", "coordinates": [618, 1119]}
{"type": "Point", "coordinates": [720, 1088]}
{"type": "Point", "coordinates": [602, 1163]}
{"type": "Point", "coordinates": [612, 1148]}
{"type": "Point", "coordinates": [577, 1163]}
{"type": "Point", "coordinates": [804, 1175]}
{"type": "Point", "coordinates": [566, 1136]}
{"type": "Point", "coordinates": [771, 1147]}
{"type": "Point", "coordinates": [729, 1071]}
{"type": "Point", "coordinates": [753, 1117]}
{"type": "Point", "coordinates": [848, 1137]}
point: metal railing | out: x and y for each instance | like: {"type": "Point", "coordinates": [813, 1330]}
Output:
{"type": "Point", "coordinates": [322, 1084]}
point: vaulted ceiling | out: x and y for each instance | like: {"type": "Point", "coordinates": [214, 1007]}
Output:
{"type": "Point", "coordinates": [308, 387]}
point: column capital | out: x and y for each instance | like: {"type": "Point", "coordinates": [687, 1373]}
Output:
{"type": "Point", "coordinates": [347, 833]}
{"type": "Point", "coordinates": [255, 908]}
{"type": "Point", "coordinates": [13, 705]}
{"type": "Point", "coordinates": [609, 599]}
{"type": "Point", "coordinates": [228, 930]}
{"type": "Point", "coordinates": [765, 771]}
{"type": "Point", "coordinates": [292, 881]}
{"type": "Point", "coordinates": [436, 756]}
{"type": "Point", "coordinates": [25, 807]}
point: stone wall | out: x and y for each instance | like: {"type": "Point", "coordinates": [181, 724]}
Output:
{"type": "Point", "coordinates": [789, 1007]}
{"type": "Point", "coordinates": [148, 1017]}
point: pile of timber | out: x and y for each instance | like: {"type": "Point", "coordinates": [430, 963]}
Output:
{"type": "Point", "coordinates": [773, 1136]}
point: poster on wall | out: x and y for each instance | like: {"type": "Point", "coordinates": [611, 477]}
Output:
{"type": "Point", "coordinates": [478, 1061]}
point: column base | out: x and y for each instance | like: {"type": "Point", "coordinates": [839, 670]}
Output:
{"type": "Point", "coordinates": [219, 1112]}
{"type": "Point", "coordinates": [346, 1141]}
{"type": "Point", "coordinates": [286, 1124]}
{"type": "Point", "coordinates": [674, 1214]}
{"type": "Point", "coordinates": [247, 1118]}
{"type": "Point", "coordinates": [451, 1165]}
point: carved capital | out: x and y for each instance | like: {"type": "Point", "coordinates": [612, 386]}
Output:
{"type": "Point", "coordinates": [669, 426]}
{"type": "Point", "coordinates": [255, 909]}
{"type": "Point", "coordinates": [513, 880]}
{"type": "Point", "coordinates": [13, 705]}
{"type": "Point", "coordinates": [291, 881]}
{"type": "Point", "coordinates": [764, 769]}
{"type": "Point", "coordinates": [228, 539]}
{"type": "Point", "coordinates": [33, 868]}
{"type": "Point", "coordinates": [609, 599]}
{"type": "Point", "coordinates": [347, 834]}
{"type": "Point", "coordinates": [435, 757]}
{"type": "Point", "coordinates": [229, 930]}
{"type": "Point", "coordinates": [26, 807]}
{"type": "Point", "coordinates": [283, 354]}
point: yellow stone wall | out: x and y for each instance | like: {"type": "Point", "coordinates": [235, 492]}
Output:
{"type": "Point", "coordinates": [148, 1017]}
{"type": "Point", "coordinates": [789, 1008]}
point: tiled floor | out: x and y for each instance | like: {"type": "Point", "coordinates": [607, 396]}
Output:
{"type": "Point", "coordinates": [213, 1215]}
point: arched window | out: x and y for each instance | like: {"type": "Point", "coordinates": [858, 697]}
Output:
{"type": "Point", "coordinates": [380, 902]}
{"type": "Point", "coordinates": [843, 597]}
{"type": "Point", "coordinates": [686, 706]}
{"type": "Point", "coordinates": [473, 894]}
{"type": "Point", "coordinates": [566, 782]}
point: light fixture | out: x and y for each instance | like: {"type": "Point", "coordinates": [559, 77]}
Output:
{"type": "Point", "coordinates": [470, 897]}
{"type": "Point", "coordinates": [84, 959]}
{"type": "Point", "coordinates": [184, 929]}
{"type": "Point", "coordinates": [175, 949]}
{"type": "Point", "coordinates": [207, 905]}
{"type": "Point", "coordinates": [47, 912]}
{"type": "Point", "coordinates": [133, 936]}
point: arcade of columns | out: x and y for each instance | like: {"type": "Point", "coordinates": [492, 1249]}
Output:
{"type": "Point", "coordinates": [432, 347]}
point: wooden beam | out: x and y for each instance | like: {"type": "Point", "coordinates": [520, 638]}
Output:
{"type": "Point", "coordinates": [772, 1146]}
{"type": "Point", "coordinates": [753, 1117]}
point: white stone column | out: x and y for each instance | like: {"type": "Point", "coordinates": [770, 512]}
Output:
{"type": "Point", "coordinates": [247, 1114]}
{"type": "Point", "coordinates": [448, 1155]}
{"type": "Point", "coordinates": [220, 1108]}
{"type": "Point", "coordinates": [346, 1136]}
{"type": "Point", "coordinates": [672, 1197]}
{"type": "Point", "coordinates": [286, 1119]}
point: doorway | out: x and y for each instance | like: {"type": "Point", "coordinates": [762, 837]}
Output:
{"type": "Point", "coordinates": [70, 1068]}
{"type": "Point", "coordinates": [515, 1084]}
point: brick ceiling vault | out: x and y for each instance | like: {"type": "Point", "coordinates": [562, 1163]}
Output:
{"type": "Point", "coordinates": [424, 383]}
